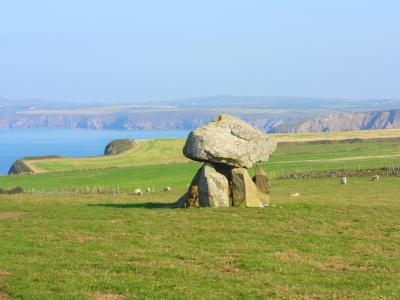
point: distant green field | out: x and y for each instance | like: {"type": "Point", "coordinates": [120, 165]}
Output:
{"type": "Point", "coordinates": [149, 152]}
{"type": "Point", "coordinates": [169, 151]}
{"type": "Point", "coordinates": [152, 164]}
{"type": "Point", "coordinates": [333, 242]}
{"type": "Point", "coordinates": [159, 176]}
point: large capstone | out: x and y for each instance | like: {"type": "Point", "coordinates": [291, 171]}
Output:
{"type": "Point", "coordinates": [229, 140]}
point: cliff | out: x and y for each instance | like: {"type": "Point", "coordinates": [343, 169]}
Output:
{"type": "Point", "coordinates": [345, 122]}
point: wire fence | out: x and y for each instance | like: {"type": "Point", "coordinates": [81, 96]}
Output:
{"type": "Point", "coordinates": [313, 171]}
{"type": "Point", "coordinates": [283, 173]}
{"type": "Point", "coordinates": [96, 190]}
{"type": "Point", "coordinates": [383, 171]}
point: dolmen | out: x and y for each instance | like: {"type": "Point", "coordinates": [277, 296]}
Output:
{"type": "Point", "coordinates": [228, 147]}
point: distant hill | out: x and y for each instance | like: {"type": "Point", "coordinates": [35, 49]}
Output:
{"type": "Point", "coordinates": [267, 113]}
{"type": "Point", "coordinates": [344, 122]}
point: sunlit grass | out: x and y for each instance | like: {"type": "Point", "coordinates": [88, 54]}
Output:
{"type": "Point", "coordinates": [332, 242]}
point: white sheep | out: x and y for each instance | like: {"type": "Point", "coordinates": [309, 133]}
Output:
{"type": "Point", "coordinates": [167, 189]}
{"type": "Point", "coordinates": [137, 192]}
{"type": "Point", "coordinates": [375, 178]}
{"type": "Point", "coordinates": [343, 180]}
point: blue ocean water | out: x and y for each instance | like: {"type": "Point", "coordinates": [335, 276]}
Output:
{"type": "Point", "coordinates": [17, 143]}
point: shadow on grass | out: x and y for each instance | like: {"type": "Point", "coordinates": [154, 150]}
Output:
{"type": "Point", "coordinates": [148, 205]}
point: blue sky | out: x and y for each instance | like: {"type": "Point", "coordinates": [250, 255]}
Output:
{"type": "Point", "coordinates": [154, 50]}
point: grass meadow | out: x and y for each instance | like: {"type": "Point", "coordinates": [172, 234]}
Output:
{"type": "Point", "coordinates": [332, 242]}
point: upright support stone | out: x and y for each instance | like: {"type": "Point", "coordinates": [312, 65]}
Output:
{"type": "Point", "coordinates": [262, 181]}
{"type": "Point", "coordinates": [244, 191]}
{"type": "Point", "coordinates": [213, 187]}
{"type": "Point", "coordinates": [210, 188]}
{"type": "Point", "coordinates": [263, 185]}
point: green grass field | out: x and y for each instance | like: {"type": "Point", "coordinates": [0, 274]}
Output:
{"type": "Point", "coordinates": [169, 151]}
{"type": "Point", "coordinates": [332, 242]}
{"type": "Point", "coordinates": [129, 170]}
{"type": "Point", "coordinates": [149, 152]}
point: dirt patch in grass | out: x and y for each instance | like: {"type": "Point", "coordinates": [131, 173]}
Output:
{"type": "Point", "coordinates": [10, 215]}
{"type": "Point", "coordinates": [84, 238]}
{"type": "Point", "coordinates": [101, 296]}
{"type": "Point", "coordinates": [291, 255]}
{"type": "Point", "coordinates": [230, 265]}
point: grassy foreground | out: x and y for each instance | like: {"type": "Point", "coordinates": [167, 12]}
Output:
{"type": "Point", "coordinates": [333, 242]}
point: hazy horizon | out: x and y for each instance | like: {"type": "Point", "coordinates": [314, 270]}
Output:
{"type": "Point", "coordinates": [197, 100]}
{"type": "Point", "coordinates": [128, 51]}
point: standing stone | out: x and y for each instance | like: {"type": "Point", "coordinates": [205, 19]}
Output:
{"type": "Point", "coordinates": [228, 146]}
{"type": "Point", "coordinates": [244, 190]}
{"type": "Point", "coordinates": [263, 185]}
{"type": "Point", "coordinates": [209, 188]}
{"type": "Point", "coordinates": [262, 181]}
{"type": "Point", "coordinates": [213, 187]}
{"type": "Point", "coordinates": [229, 140]}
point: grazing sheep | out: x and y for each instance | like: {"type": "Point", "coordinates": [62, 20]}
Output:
{"type": "Point", "coordinates": [167, 189]}
{"type": "Point", "coordinates": [295, 195]}
{"type": "Point", "coordinates": [375, 178]}
{"type": "Point", "coordinates": [148, 190]}
{"type": "Point", "coordinates": [343, 180]}
{"type": "Point", "coordinates": [137, 192]}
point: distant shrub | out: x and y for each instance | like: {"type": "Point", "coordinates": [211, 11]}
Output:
{"type": "Point", "coordinates": [118, 146]}
{"type": "Point", "coordinates": [19, 167]}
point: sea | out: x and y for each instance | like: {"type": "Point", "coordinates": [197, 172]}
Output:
{"type": "Point", "coordinates": [18, 143]}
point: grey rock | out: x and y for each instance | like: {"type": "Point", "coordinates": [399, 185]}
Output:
{"type": "Point", "coordinates": [213, 189]}
{"type": "Point", "coordinates": [244, 190]}
{"type": "Point", "coordinates": [229, 140]}
{"type": "Point", "coordinates": [262, 181]}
